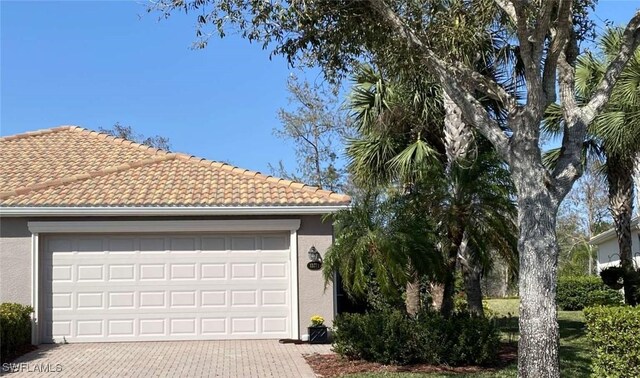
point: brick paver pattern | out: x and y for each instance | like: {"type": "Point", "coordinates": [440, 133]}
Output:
{"type": "Point", "coordinates": [233, 358]}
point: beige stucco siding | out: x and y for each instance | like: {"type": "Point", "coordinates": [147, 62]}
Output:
{"type": "Point", "coordinates": [314, 299]}
{"type": "Point", "coordinates": [15, 261]}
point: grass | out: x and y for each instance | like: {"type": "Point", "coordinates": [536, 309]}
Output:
{"type": "Point", "coordinates": [575, 357]}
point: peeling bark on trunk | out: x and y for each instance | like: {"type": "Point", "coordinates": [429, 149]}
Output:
{"type": "Point", "coordinates": [620, 179]}
{"type": "Point", "coordinates": [457, 135]}
{"type": "Point", "coordinates": [538, 344]}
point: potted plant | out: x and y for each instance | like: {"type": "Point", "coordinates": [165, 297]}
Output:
{"type": "Point", "coordinates": [613, 277]}
{"type": "Point", "coordinates": [318, 333]}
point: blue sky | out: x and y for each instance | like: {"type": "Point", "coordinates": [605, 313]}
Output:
{"type": "Point", "coordinates": [96, 63]}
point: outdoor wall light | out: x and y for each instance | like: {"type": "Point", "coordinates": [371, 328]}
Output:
{"type": "Point", "coordinates": [314, 255]}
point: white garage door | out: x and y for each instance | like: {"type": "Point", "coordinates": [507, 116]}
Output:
{"type": "Point", "coordinates": [159, 287]}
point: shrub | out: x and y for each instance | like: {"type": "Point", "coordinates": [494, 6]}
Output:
{"type": "Point", "coordinates": [15, 328]}
{"type": "Point", "coordinates": [392, 337]}
{"type": "Point", "coordinates": [574, 292]}
{"type": "Point", "coordinates": [615, 335]}
{"type": "Point", "coordinates": [604, 298]}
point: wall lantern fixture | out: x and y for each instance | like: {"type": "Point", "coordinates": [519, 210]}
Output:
{"type": "Point", "coordinates": [314, 255]}
{"type": "Point", "coordinates": [316, 259]}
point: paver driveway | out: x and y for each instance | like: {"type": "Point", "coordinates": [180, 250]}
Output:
{"type": "Point", "coordinates": [246, 358]}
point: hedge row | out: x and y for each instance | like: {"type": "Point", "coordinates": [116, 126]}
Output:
{"type": "Point", "coordinates": [15, 328]}
{"type": "Point", "coordinates": [615, 335]}
{"type": "Point", "coordinates": [391, 337]}
{"type": "Point", "coordinates": [576, 293]}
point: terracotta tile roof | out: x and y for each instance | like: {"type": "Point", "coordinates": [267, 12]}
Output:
{"type": "Point", "coordinates": [69, 166]}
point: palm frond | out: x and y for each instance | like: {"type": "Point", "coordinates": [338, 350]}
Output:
{"type": "Point", "coordinates": [414, 161]}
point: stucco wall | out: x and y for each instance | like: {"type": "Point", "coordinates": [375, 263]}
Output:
{"type": "Point", "coordinates": [608, 251]}
{"type": "Point", "coordinates": [15, 261]}
{"type": "Point", "coordinates": [315, 299]}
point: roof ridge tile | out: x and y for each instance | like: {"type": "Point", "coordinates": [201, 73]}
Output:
{"type": "Point", "coordinates": [84, 176]}
{"type": "Point", "coordinates": [35, 133]}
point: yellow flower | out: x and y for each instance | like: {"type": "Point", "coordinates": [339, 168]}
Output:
{"type": "Point", "coordinates": [317, 320]}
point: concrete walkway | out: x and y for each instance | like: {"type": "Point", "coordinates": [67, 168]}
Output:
{"type": "Point", "coordinates": [246, 358]}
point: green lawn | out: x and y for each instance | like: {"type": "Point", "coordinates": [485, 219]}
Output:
{"type": "Point", "coordinates": [575, 358]}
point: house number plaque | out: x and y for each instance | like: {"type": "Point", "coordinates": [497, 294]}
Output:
{"type": "Point", "coordinates": [314, 265]}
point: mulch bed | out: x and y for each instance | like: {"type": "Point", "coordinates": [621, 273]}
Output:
{"type": "Point", "coordinates": [332, 365]}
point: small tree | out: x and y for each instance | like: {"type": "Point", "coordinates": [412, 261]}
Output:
{"type": "Point", "coordinates": [316, 126]}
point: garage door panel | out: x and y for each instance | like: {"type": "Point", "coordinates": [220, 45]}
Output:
{"type": "Point", "coordinates": [121, 288]}
{"type": "Point", "coordinates": [213, 271]}
{"type": "Point", "coordinates": [121, 272]}
{"type": "Point", "coordinates": [274, 324]}
{"type": "Point", "coordinates": [89, 272]}
{"type": "Point", "coordinates": [60, 273]}
{"type": "Point", "coordinates": [183, 271]}
{"type": "Point", "coordinates": [243, 270]}
{"type": "Point", "coordinates": [121, 327]}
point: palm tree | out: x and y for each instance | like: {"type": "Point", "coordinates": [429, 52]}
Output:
{"type": "Point", "coordinates": [481, 201]}
{"type": "Point", "coordinates": [397, 147]}
{"type": "Point", "coordinates": [614, 138]}
{"type": "Point", "coordinates": [401, 144]}
{"type": "Point", "coordinates": [376, 239]}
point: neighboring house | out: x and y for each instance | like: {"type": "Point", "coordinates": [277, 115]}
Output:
{"type": "Point", "coordinates": [110, 240]}
{"type": "Point", "coordinates": [607, 243]}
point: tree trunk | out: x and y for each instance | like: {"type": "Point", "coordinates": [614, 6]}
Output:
{"type": "Point", "coordinates": [458, 136]}
{"type": "Point", "coordinates": [620, 179]}
{"type": "Point", "coordinates": [506, 281]}
{"type": "Point", "coordinates": [472, 274]}
{"type": "Point", "coordinates": [636, 179]}
{"type": "Point", "coordinates": [412, 300]}
{"type": "Point", "coordinates": [537, 246]}
{"type": "Point", "coordinates": [437, 292]}
{"type": "Point", "coordinates": [449, 284]}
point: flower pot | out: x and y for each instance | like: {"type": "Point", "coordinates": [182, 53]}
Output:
{"type": "Point", "coordinates": [318, 334]}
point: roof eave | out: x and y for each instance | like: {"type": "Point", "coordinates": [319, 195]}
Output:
{"type": "Point", "coordinates": [611, 233]}
{"type": "Point", "coordinates": [167, 211]}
